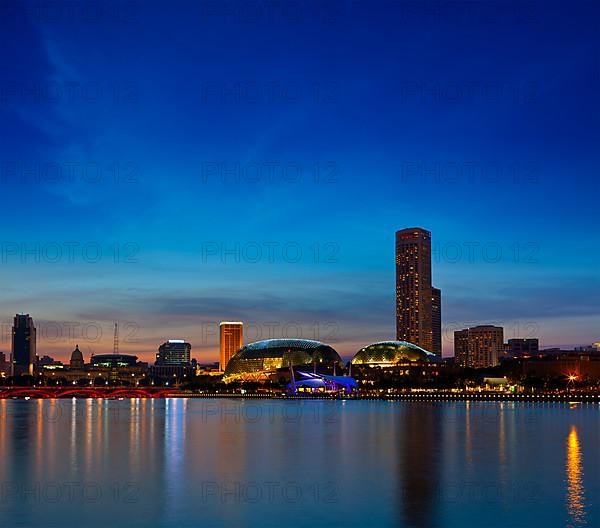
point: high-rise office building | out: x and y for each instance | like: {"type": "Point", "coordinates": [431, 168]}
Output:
{"type": "Point", "coordinates": [416, 320]}
{"type": "Point", "coordinates": [4, 365]}
{"type": "Point", "coordinates": [23, 352]}
{"type": "Point", "coordinates": [436, 321]}
{"type": "Point", "coordinates": [461, 347]}
{"type": "Point", "coordinates": [479, 346]}
{"type": "Point", "coordinates": [174, 352]}
{"type": "Point", "coordinates": [231, 340]}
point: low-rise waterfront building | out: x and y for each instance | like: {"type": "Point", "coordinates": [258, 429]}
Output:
{"type": "Point", "coordinates": [103, 369]}
{"type": "Point", "coordinates": [521, 347]}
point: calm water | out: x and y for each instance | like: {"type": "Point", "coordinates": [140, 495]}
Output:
{"type": "Point", "coordinates": [178, 463]}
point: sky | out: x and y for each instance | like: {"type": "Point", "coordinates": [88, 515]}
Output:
{"type": "Point", "coordinates": [172, 165]}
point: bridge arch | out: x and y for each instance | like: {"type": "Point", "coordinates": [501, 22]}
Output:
{"type": "Point", "coordinates": [82, 392]}
{"type": "Point", "coordinates": [23, 392]}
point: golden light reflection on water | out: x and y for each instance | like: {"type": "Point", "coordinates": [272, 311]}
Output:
{"type": "Point", "coordinates": [575, 488]}
{"type": "Point", "coordinates": [468, 439]}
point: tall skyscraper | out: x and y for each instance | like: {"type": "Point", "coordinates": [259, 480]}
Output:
{"type": "Point", "coordinates": [436, 321]}
{"type": "Point", "coordinates": [231, 340]}
{"type": "Point", "coordinates": [175, 352]}
{"type": "Point", "coordinates": [416, 320]}
{"type": "Point", "coordinates": [4, 365]}
{"type": "Point", "coordinates": [479, 346]}
{"type": "Point", "coordinates": [23, 352]}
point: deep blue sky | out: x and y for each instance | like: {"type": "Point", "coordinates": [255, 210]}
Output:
{"type": "Point", "coordinates": [385, 87]}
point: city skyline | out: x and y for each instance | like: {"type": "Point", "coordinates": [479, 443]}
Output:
{"type": "Point", "coordinates": [95, 336]}
{"type": "Point", "coordinates": [349, 329]}
{"type": "Point", "coordinates": [256, 251]}
{"type": "Point", "coordinates": [389, 151]}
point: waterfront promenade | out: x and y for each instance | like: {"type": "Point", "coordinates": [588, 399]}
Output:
{"type": "Point", "coordinates": [166, 392]}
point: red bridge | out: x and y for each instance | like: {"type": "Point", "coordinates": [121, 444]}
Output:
{"type": "Point", "coordinates": [92, 392]}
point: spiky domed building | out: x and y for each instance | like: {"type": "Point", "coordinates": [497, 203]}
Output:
{"type": "Point", "coordinates": [391, 353]}
{"type": "Point", "coordinates": [257, 361]}
{"type": "Point", "coordinates": [394, 364]}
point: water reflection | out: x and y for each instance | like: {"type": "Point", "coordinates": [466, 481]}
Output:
{"type": "Point", "coordinates": [175, 453]}
{"type": "Point", "coordinates": [417, 465]}
{"type": "Point", "coordinates": [575, 488]}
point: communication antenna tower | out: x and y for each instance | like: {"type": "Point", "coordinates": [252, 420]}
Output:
{"type": "Point", "coordinates": [116, 339]}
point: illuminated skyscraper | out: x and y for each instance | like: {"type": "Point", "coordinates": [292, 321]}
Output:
{"type": "Point", "coordinates": [231, 340]}
{"type": "Point", "coordinates": [4, 365]}
{"type": "Point", "coordinates": [479, 347]}
{"type": "Point", "coordinates": [415, 297]}
{"type": "Point", "coordinates": [23, 346]}
{"type": "Point", "coordinates": [436, 321]}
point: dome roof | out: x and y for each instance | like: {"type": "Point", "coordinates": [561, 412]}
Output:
{"type": "Point", "coordinates": [271, 354]}
{"type": "Point", "coordinates": [390, 353]}
{"type": "Point", "coordinates": [77, 355]}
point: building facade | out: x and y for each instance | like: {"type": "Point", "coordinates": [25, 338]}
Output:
{"type": "Point", "coordinates": [76, 361]}
{"type": "Point", "coordinates": [23, 352]}
{"type": "Point", "coordinates": [231, 339]}
{"type": "Point", "coordinates": [175, 352]}
{"type": "Point", "coordinates": [561, 367]}
{"type": "Point", "coordinates": [4, 366]}
{"type": "Point", "coordinates": [436, 321]}
{"type": "Point", "coordinates": [522, 347]}
{"type": "Point", "coordinates": [103, 369]}
{"type": "Point", "coordinates": [418, 304]}
{"type": "Point", "coordinates": [263, 360]}
{"type": "Point", "coordinates": [479, 346]}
